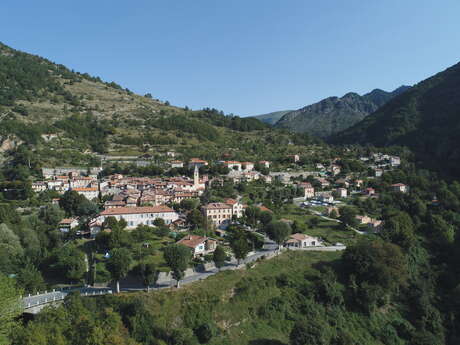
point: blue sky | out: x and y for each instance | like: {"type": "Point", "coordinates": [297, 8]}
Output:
{"type": "Point", "coordinates": [241, 56]}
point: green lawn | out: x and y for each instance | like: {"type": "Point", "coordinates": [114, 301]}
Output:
{"type": "Point", "coordinates": [329, 231]}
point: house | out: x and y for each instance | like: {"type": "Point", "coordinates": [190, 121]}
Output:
{"type": "Point", "coordinates": [198, 244]}
{"type": "Point", "coordinates": [196, 162]}
{"type": "Point", "coordinates": [395, 161]}
{"type": "Point", "coordinates": [89, 193]}
{"type": "Point", "coordinates": [400, 187]}
{"type": "Point", "coordinates": [233, 165]}
{"type": "Point", "coordinates": [378, 172]}
{"type": "Point", "coordinates": [171, 154]}
{"type": "Point", "coordinates": [369, 191]}
{"type": "Point", "coordinates": [302, 241]}
{"type": "Point", "coordinates": [218, 212]}
{"type": "Point", "coordinates": [39, 186]}
{"type": "Point", "coordinates": [114, 203]}
{"type": "Point", "coordinates": [265, 164]}
{"type": "Point", "coordinates": [237, 207]}
{"type": "Point", "coordinates": [176, 164]}
{"type": "Point", "coordinates": [135, 216]}
{"type": "Point", "coordinates": [294, 158]}
{"type": "Point", "coordinates": [308, 191]}
{"type": "Point", "coordinates": [247, 166]}
{"type": "Point", "coordinates": [324, 183]}
{"type": "Point", "coordinates": [341, 192]}
{"type": "Point", "coordinates": [67, 224]}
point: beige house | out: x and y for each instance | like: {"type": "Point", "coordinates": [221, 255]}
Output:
{"type": "Point", "coordinates": [218, 212]}
{"type": "Point", "coordinates": [308, 190]}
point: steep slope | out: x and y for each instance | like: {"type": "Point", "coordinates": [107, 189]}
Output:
{"type": "Point", "coordinates": [426, 118]}
{"type": "Point", "coordinates": [334, 114]}
{"type": "Point", "coordinates": [67, 118]}
{"type": "Point", "coordinates": [271, 118]}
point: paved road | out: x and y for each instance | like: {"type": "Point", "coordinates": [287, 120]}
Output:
{"type": "Point", "coordinates": [36, 302]}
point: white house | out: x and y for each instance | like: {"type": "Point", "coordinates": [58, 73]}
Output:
{"type": "Point", "coordinates": [90, 193]}
{"type": "Point", "coordinates": [395, 161]}
{"type": "Point", "coordinates": [67, 224]}
{"type": "Point", "coordinates": [135, 216]}
{"type": "Point", "coordinates": [400, 187]}
{"type": "Point", "coordinates": [198, 244]}
{"type": "Point", "coordinates": [248, 166]}
{"type": "Point", "coordinates": [341, 192]}
{"type": "Point", "coordinates": [176, 164]}
{"type": "Point", "coordinates": [302, 241]}
{"type": "Point", "coordinates": [265, 164]}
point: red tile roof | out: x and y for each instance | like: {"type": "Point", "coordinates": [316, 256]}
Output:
{"type": "Point", "coordinates": [192, 241]}
{"type": "Point", "coordinates": [136, 210]}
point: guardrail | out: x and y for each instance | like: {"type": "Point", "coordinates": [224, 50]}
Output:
{"type": "Point", "coordinates": [39, 299]}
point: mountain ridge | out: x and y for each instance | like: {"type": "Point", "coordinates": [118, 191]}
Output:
{"type": "Point", "coordinates": [425, 118]}
{"type": "Point", "coordinates": [334, 114]}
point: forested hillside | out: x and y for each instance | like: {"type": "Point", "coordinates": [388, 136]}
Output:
{"type": "Point", "coordinates": [426, 118]}
{"type": "Point", "coordinates": [334, 114]}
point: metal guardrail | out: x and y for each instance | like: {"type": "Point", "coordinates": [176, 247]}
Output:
{"type": "Point", "coordinates": [39, 299]}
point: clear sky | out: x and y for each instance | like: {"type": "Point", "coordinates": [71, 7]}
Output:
{"type": "Point", "coordinates": [241, 56]}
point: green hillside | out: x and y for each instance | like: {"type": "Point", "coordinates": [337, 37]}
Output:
{"type": "Point", "coordinates": [426, 118]}
{"type": "Point", "coordinates": [334, 114]}
{"type": "Point", "coordinates": [87, 116]}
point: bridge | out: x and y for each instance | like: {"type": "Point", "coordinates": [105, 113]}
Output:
{"type": "Point", "coordinates": [33, 304]}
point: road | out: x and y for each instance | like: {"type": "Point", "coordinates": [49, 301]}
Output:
{"type": "Point", "coordinates": [34, 303]}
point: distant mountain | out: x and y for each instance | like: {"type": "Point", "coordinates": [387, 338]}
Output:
{"type": "Point", "coordinates": [335, 114]}
{"type": "Point", "coordinates": [425, 118]}
{"type": "Point", "coordinates": [271, 118]}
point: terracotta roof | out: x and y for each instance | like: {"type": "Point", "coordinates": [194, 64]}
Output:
{"type": "Point", "coordinates": [67, 221]}
{"type": "Point", "coordinates": [216, 205]}
{"type": "Point", "coordinates": [136, 210]}
{"type": "Point", "coordinates": [263, 208]}
{"type": "Point", "coordinates": [231, 201]}
{"type": "Point", "coordinates": [398, 185]}
{"type": "Point", "coordinates": [300, 237]}
{"type": "Point", "coordinates": [84, 189]}
{"type": "Point", "coordinates": [192, 241]}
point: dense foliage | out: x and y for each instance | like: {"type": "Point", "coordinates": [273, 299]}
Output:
{"type": "Point", "coordinates": [425, 118]}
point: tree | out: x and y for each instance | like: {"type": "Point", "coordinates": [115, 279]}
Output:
{"type": "Point", "coordinates": [219, 257]}
{"type": "Point", "coordinates": [265, 217]}
{"type": "Point", "coordinates": [310, 332]}
{"type": "Point", "coordinates": [118, 265]}
{"type": "Point", "coordinates": [239, 244]}
{"type": "Point", "coordinates": [376, 263]}
{"type": "Point", "coordinates": [149, 273]}
{"type": "Point", "coordinates": [348, 217]}
{"type": "Point", "coordinates": [70, 263]}
{"type": "Point", "coordinates": [195, 218]}
{"type": "Point", "coordinates": [399, 229]}
{"type": "Point", "coordinates": [10, 307]}
{"type": "Point", "coordinates": [30, 279]}
{"type": "Point", "coordinates": [278, 232]}
{"type": "Point", "coordinates": [10, 249]}
{"type": "Point", "coordinates": [177, 257]}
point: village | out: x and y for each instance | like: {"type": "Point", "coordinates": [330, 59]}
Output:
{"type": "Point", "coordinates": [202, 211]}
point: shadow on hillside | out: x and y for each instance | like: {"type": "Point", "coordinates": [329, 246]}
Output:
{"type": "Point", "coordinates": [266, 342]}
